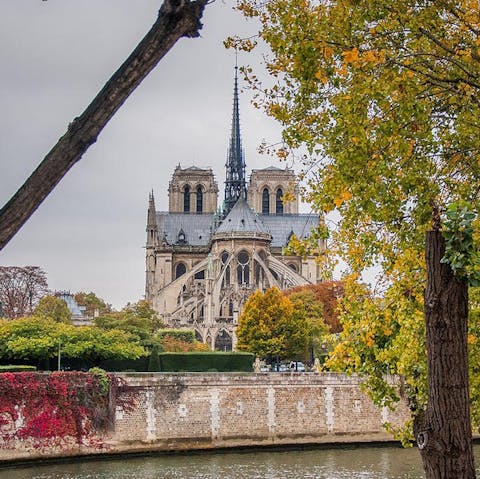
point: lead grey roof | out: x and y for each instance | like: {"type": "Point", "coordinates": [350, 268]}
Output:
{"type": "Point", "coordinates": [281, 226]}
{"type": "Point", "coordinates": [197, 227]}
{"type": "Point", "coordinates": [242, 219]}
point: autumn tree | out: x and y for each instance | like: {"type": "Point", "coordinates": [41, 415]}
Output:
{"type": "Point", "coordinates": [380, 101]}
{"type": "Point", "coordinates": [53, 308]}
{"type": "Point", "coordinates": [327, 294]}
{"type": "Point", "coordinates": [138, 319]}
{"type": "Point", "coordinates": [20, 289]}
{"type": "Point", "coordinates": [179, 340]}
{"type": "Point", "coordinates": [270, 327]}
{"type": "Point", "coordinates": [38, 339]}
{"type": "Point", "coordinates": [92, 303]}
{"type": "Point", "coordinates": [308, 308]}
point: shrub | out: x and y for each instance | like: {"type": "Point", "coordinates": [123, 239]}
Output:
{"type": "Point", "coordinates": [203, 362]}
{"type": "Point", "coordinates": [185, 335]}
{"type": "Point", "coordinates": [12, 368]}
{"type": "Point", "coordinates": [154, 361]}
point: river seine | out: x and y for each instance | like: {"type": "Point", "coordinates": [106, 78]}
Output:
{"type": "Point", "coordinates": [339, 463]}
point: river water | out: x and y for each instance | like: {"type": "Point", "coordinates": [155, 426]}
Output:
{"type": "Point", "coordinates": [338, 463]}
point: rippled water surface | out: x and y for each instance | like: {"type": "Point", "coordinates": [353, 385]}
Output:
{"type": "Point", "coordinates": [355, 463]}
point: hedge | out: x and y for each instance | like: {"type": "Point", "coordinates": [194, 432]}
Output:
{"type": "Point", "coordinates": [206, 362]}
{"type": "Point", "coordinates": [119, 365]}
{"type": "Point", "coordinates": [16, 368]}
{"type": "Point", "coordinates": [186, 362]}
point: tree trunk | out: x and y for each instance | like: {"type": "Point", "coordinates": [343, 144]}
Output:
{"type": "Point", "coordinates": [176, 19]}
{"type": "Point", "coordinates": [443, 431]}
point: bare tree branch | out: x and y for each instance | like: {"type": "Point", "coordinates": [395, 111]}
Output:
{"type": "Point", "coordinates": [176, 19]}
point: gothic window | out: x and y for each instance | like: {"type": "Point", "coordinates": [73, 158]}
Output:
{"type": "Point", "coordinates": [266, 201]}
{"type": "Point", "coordinates": [181, 237]}
{"type": "Point", "coordinates": [293, 267]}
{"type": "Point", "coordinates": [223, 341]}
{"type": "Point", "coordinates": [180, 270]}
{"type": "Point", "coordinates": [258, 273]}
{"type": "Point", "coordinates": [200, 274]}
{"type": "Point", "coordinates": [199, 199]}
{"type": "Point", "coordinates": [186, 199]}
{"type": "Point", "coordinates": [227, 276]}
{"type": "Point", "coordinates": [243, 257]}
{"type": "Point", "coordinates": [279, 202]}
{"type": "Point", "coordinates": [230, 308]}
{"type": "Point", "coordinates": [243, 269]}
{"type": "Point", "coordinates": [224, 257]}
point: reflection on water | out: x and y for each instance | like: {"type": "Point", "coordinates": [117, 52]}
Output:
{"type": "Point", "coordinates": [354, 463]}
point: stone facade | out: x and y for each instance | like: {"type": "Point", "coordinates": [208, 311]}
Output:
{"type": "Point", "coordinates": [192, 190]}
{"type": "Point", "coordinates": [267, 187]}
{"type": "Point", "coordinates": [202, 263]}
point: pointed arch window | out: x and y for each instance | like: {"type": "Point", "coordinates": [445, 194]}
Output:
{"type": "Point", "coordinates": [180, 270]}
{"type": "Point", "coordinates": [181, 237]}
{"type": "Point", "coordinates": [199, 199]}
{"type": "Point", "coordinates": [265, 201]}
{"type": "Point", "coordinates": [186, 199]}
{"type": "Point", "coordinates": [243, 268]}
{"type": "Point", "coordinates": [279, 202]}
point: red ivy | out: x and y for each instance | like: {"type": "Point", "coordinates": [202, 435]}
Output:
{"type": "Point", "coordinates": [51, 408]}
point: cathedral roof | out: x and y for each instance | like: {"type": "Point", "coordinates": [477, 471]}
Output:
{"type": "Point", "coordinates": [242, 219]}
{"type": "Point", "coordinates": [272, 168]}
{"type": "Point", "coordinates": [282, 226]}
{"type": "Point", "coordinates": [196, 228]}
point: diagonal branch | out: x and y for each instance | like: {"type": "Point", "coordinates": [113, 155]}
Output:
{"type": "Point", "coordinates": [176, 19]}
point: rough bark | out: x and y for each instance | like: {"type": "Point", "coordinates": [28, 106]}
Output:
{"type": "Point", "coordinates": [176, 19]}
{"type": "Point", "coordinates": [443, 431]}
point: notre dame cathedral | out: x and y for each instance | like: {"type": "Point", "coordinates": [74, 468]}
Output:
{"type": "Point", "coordinates": [203, 262]}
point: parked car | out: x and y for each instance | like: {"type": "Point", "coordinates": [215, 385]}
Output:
{"type": "Point", "coordinates": [297, 366]}
{"type": "Point", "coordinates": [279, 367]}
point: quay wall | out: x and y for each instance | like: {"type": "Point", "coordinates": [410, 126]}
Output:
{"type": "Point", "coordinates": [178, 412]}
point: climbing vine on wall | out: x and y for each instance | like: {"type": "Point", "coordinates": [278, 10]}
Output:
{"type": "Point", "coordinates": [55, 409]}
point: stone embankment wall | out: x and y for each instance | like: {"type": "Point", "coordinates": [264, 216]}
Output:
{"type": "Point", "coordinates": [174, 412]}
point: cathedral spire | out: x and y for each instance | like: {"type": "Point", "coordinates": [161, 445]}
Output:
{"type": "Point", "coordinates": [152, 228]}
{"type": "Point", "coordinates": [235, 185]}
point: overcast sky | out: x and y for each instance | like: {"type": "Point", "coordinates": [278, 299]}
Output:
{"type": "Point", "coordinates": [55, 55]}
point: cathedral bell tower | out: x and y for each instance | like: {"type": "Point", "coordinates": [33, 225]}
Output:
{"type": "Point", "coordinates": [235, 184]}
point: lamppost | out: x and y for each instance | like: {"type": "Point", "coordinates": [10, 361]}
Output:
{"type": "Point", "coordinates": [59, 361]}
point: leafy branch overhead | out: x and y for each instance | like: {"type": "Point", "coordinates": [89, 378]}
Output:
{"type": "Point", "coordinates": [176, 19]}
{"type": "Point", "coordinates": [380, 101]}
{"type": "Point", "coordinates": [461, 251]}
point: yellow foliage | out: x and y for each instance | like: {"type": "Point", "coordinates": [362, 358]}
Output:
{"type": "Point", "coordinates": [320, 75]}
{"type": "Point", "coordinates": [342, 198]}
{"type": "Point", "coordinates": [369, 341]}
{"type": "Point", "coordinates": [351, 56]}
